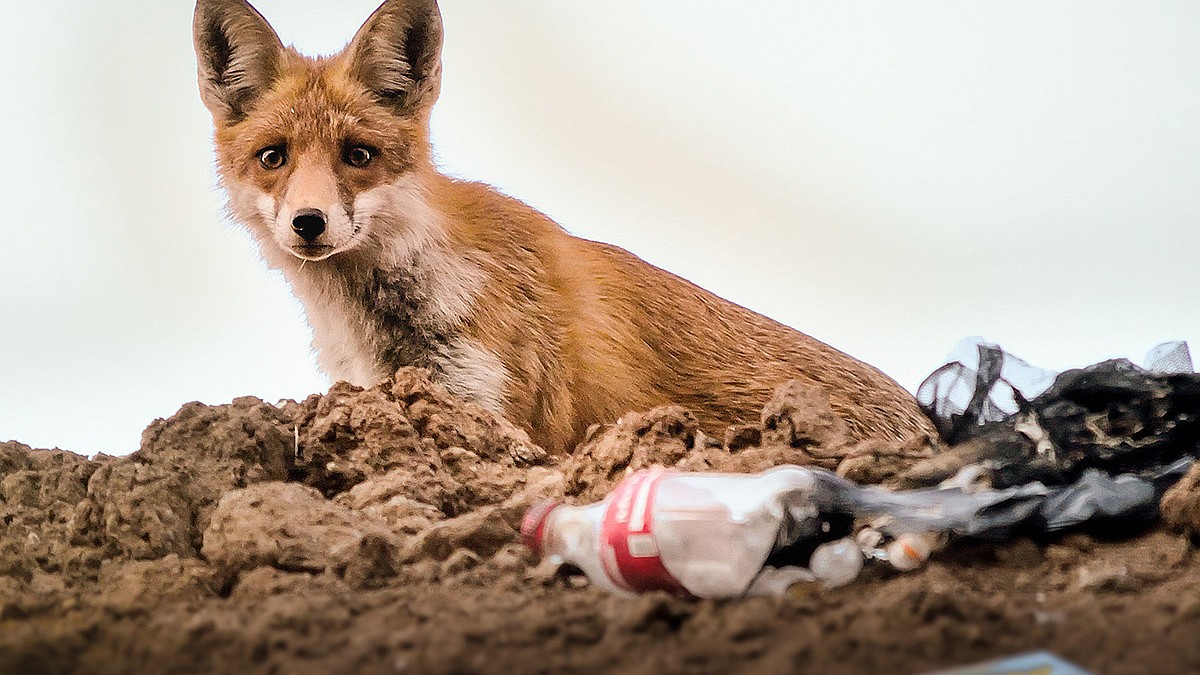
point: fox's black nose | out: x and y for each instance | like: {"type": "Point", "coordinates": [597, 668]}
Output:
{"type": "Point", "coordinates": [309, 224]}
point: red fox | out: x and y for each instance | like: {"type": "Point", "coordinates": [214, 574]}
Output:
{"type": "Point", "coordinates": [327, 162]}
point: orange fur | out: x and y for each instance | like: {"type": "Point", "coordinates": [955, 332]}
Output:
{"type": "Point", "coordinates": [418, 268]}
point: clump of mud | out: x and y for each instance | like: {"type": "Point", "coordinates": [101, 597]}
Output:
{"type": "Point", "coordinates": [375, 531]}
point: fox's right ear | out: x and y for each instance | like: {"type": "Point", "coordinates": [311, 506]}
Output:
{"type": "Point", "coordinates": [238, 55]}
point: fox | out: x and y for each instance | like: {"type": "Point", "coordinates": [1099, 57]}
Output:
{"type": "Point", "coordinates": [327, 162]}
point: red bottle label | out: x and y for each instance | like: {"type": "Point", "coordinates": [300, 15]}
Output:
{"type": "Point", "coordinates": [628, 549]}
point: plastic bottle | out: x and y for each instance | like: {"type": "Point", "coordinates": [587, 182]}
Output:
{"type": "Point", "coordinates": [699, 534]}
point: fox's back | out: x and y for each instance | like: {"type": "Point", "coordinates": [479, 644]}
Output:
{"type": "Point", "coordinates": [724, 361]}
{"type": "Point", "coordinates": [593, 331]}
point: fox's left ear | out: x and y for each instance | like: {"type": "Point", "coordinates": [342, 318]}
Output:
{"type": "Point", "coordinates": [397, 54]}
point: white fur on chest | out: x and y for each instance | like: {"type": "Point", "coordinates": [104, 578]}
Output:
{"type": "Point", "coordinates": [346, 348]}
{"type": "Point", "coordinates": [343, 337]}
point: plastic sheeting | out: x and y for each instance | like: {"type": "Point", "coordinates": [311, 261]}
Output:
{"type": "Point", "coordinates": [1037, 452]}
{"type": "Point", "coordinates": [1017, 424]}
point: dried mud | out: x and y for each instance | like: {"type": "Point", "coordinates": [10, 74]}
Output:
{"type": "Point", "coordinates": [374, 531]}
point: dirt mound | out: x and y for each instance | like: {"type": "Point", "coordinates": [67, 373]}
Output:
{"type": "Point", "coordinates": [374, 531]}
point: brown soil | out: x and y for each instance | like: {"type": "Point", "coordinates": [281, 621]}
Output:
{"type": "Point", "coordinates": [374, 531]}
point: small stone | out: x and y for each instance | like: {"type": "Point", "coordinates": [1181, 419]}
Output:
{"type": "Point", "coordinates": [740, 436]}
{"type": "Point", "coordinates": [1079, 542]}
{"type": "Point", "coordinates": [1043, 618]}
{"type": "Point", "coordinates": [371, 562]}
{"type": "Point", "coordinates": [484, 531]}
{"type": "Point", "coordinates": [1020, 553]}
{"type": "Point", "coordinates": [544, 573]}
{"type": "Point", "coordinates": [46, 584]}
{"type": "Point", "coordinates": [457, 455]}
{"type": "Point", "coordinates": [799, 415]}
{"type": "Point", "coordinates": [1115, 578]}
{"type": "Point", "coordinates": [511, 558]}
{"type": "Point", "coordinates": [460, 561]}
{"type": "Point", "coordinates": [1180, 505]}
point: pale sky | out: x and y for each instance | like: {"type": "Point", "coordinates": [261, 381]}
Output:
{"type": "Point", "coordinates": [887, 176]}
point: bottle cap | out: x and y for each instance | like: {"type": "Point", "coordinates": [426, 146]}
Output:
{"type": "Point", "coordinates": [533, 525]}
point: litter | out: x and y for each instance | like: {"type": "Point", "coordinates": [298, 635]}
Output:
{"type": "Point", "coordinates": [729, 535]}
{"type": "Point", "coordinates": [1042, 663]}
{"type": "Point", "coordinates": [1036, 454]}
{"type": "Point", "coordinates": [1112, 416]}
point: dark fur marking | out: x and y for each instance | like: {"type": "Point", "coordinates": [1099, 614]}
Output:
{"type": "Point", "coordinates": [408, 337]}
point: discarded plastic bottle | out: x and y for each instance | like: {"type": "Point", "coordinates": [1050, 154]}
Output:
{"type": "Point", "coordinates": [698, 534]}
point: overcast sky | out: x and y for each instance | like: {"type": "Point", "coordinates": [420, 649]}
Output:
{"type": "Point", "coordinates": [887, 176]}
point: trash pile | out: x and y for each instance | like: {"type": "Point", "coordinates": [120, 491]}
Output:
{"type": "Point", "coordinates": [1030, 454]}
{"type": "Point", "coordinates": [377, 530]}
{"type": "Point", "coordinates": [1113, 417]}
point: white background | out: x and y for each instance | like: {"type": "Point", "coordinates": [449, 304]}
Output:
{"type": "Point", "coordinates": [886, 176]}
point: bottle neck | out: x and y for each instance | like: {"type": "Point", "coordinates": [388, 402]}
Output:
{"type": "Point", "coordinates": [569, 532]}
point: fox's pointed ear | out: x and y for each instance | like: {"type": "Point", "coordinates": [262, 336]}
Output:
{"type": "Point", "coordinates": [397, 54]}
{"type": "Point", "coordinates": [238, 55]}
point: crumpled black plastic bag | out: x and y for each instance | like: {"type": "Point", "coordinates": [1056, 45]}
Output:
{"type": "Point", "coordinates": [1112, 416]}
{"type": "Point", "coordinates": [1098, 447]}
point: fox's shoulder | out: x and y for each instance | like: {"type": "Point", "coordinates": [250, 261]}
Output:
{"type": "Point", "coordinates": [484, 216]}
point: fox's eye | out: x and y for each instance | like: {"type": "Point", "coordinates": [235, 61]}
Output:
{"type": "Point", "coordinates": [272, 157]}
{"type": "Point", "coordinates": [358, 155]}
